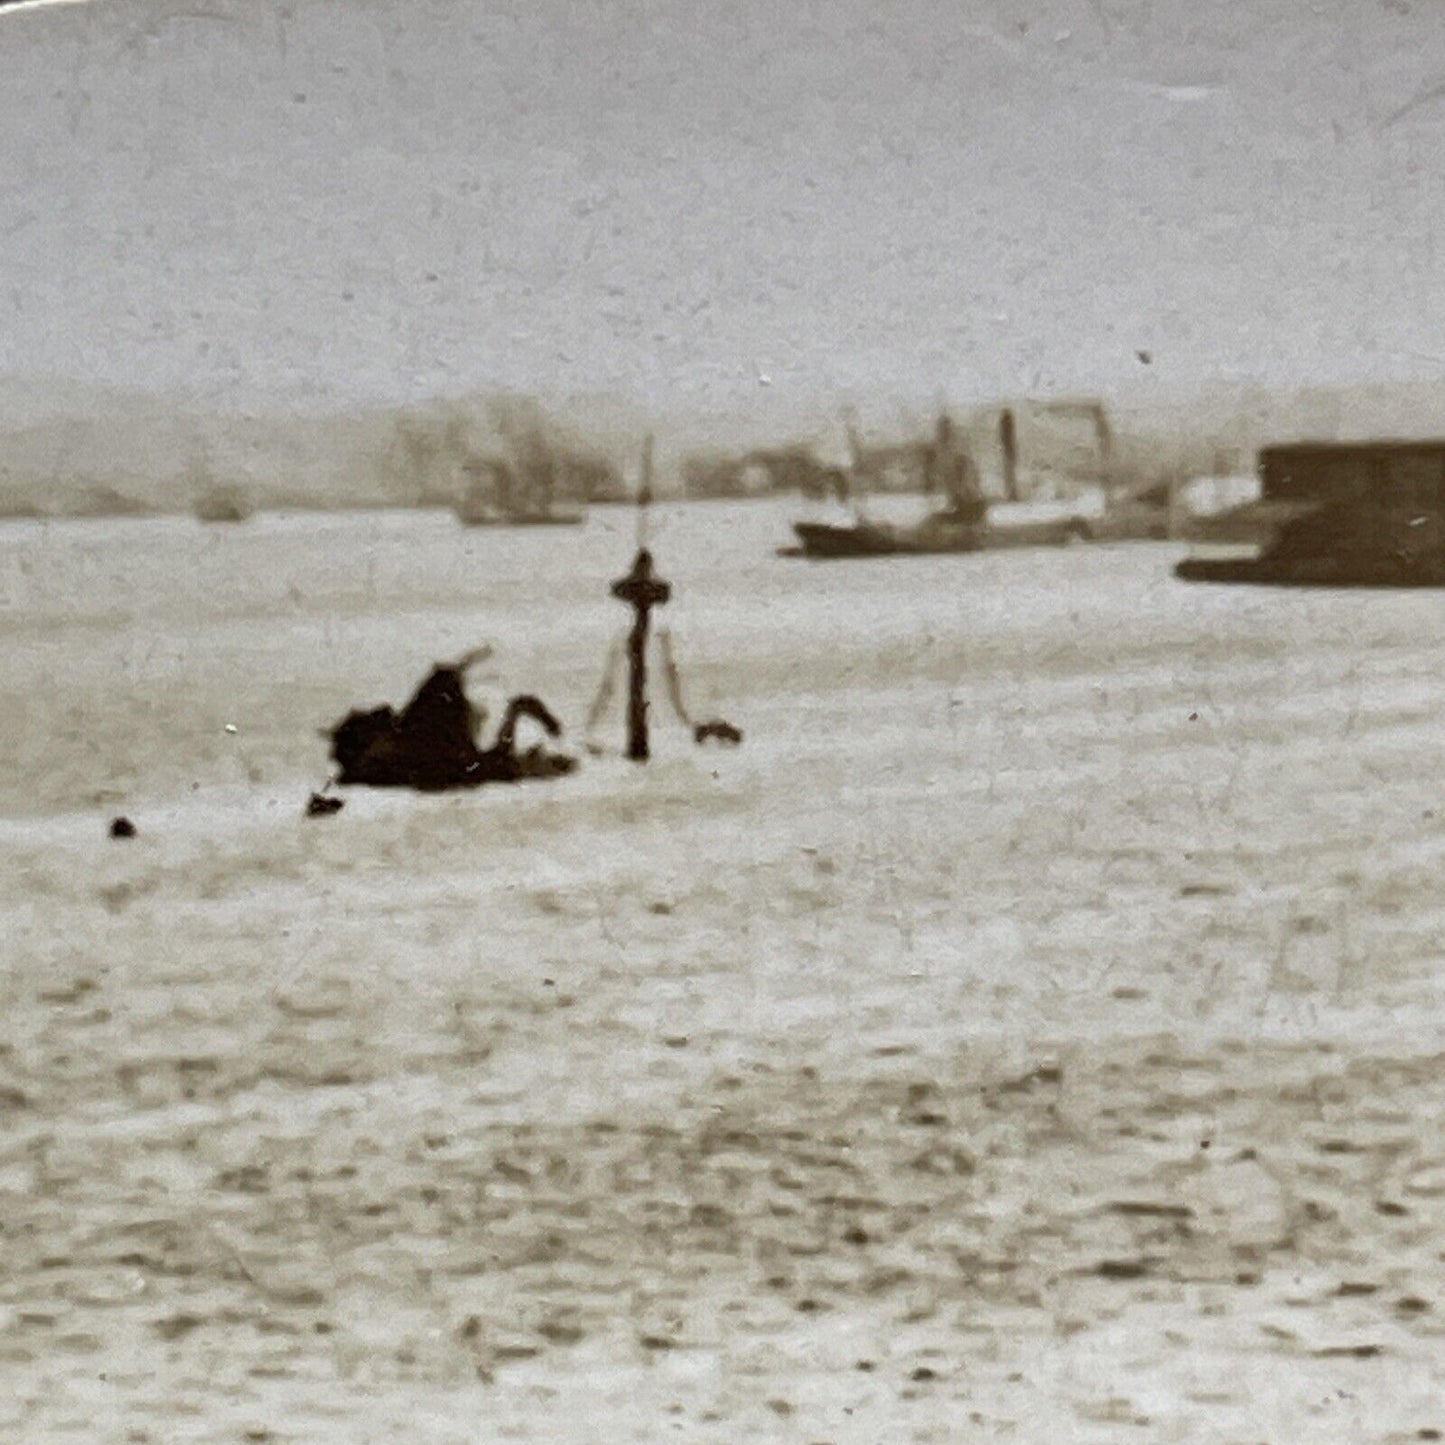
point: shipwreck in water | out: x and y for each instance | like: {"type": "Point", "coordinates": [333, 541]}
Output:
{"type": "Point", "coordinates": [643, 590]}
{"type": "Point", "coordinates": [432, 744]}
{"type": "Point", "coordinates": [1347, 514]}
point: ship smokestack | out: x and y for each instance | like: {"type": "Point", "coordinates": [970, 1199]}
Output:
{"type": "Point", "coordinates": [1009, 444]}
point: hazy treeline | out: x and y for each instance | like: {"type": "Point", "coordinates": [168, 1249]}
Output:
{"type": "Point", "coordinates": [134, 456]}
{"type": "Point", "coordinates": [107, 455]}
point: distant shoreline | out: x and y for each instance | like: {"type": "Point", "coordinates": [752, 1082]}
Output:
{"type": "Point", "coordinates": [99, 453]}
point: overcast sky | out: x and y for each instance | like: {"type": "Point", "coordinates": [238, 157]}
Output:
{"type": "Point", "coordinates": [270, 199]}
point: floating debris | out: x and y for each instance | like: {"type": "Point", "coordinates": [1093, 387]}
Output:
{"type": "Point", "coordinates": [122, 828]}
{"type": "Point", "coordinates": [723, 732]}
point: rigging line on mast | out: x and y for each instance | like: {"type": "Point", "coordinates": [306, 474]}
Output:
{"type": "Point", "coordinates": [607, 688]}
{"type": "Point", "coordinates": [644, 492]}
{"type": "Point", "coordinates": [674, 679]}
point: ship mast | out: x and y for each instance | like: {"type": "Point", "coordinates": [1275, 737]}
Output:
{"type": "Point", "coordinates": [644, 491]}
{"type": "Point", "coordinates": [642, 590]}
{"type": "Point", "coordinates": [1008, 437]}
{"type": "Point", "coordinates": [953, 470]}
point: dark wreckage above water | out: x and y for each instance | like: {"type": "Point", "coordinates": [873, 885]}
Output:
{"type": "Point", "coordinates": [1352, 514]}
{"type": "Point", "coordinates": [432, 744]}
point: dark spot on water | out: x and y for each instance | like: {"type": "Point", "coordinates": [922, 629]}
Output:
{"type": "Point", "coordinates": [561, 1332]}
{"type": "Point", "coordinates": [176, 1327]}
{"type": "Point", "coordinates": [122, 828]}
{"type": "Point", "coordinates": [1147, 1209]}
{"type": "Point", "coordinates": [1122, 1268]}
{"type": "Point", "coordinates": [503, 1352]}
{"type": "Point", "coordinates": [245, 1179]}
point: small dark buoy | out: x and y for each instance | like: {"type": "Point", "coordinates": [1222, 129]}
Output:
{"type": "Point", "coordinates": [122, 828]}
{"type": "Point", "coordinates": [320, 806]}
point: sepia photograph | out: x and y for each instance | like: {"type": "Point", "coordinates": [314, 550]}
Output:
{"type": "Point", "coordinates": [722, 722]}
